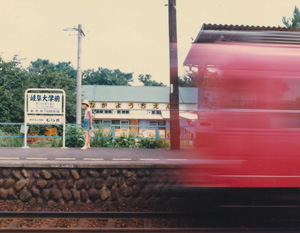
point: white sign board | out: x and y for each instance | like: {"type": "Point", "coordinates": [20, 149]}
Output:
{"type": "Point", "coordinates": [45, 120]}
{"type": "Point", "coordinates": [45, 103]}
{"type": "Point", "coordinates": [44, 107]}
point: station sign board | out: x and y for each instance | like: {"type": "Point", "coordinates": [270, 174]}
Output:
{"type": "Point", "coordinates": [44, 106]}
{"type": "Point", "coordinates": [45, 103]}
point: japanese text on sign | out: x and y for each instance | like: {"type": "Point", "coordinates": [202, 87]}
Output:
{"type": "Point", "coordinates": [45, 103]}
{"type": "Point", "coordinates": [48, 120]}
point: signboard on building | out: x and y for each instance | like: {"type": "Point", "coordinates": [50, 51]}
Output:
{"type": "Point", "coordinates": [44, 107]}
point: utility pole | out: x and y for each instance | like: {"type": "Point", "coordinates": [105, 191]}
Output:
{"type": "Point", "coordinates": [174, 96]}
{"type": "Point", "coordinates": [79, 92]}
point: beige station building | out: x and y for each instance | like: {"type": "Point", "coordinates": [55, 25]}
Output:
{"type": "Point", "coordinates": [144, 110]}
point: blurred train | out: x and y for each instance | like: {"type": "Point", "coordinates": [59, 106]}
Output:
{"type": "Point", "coordinates": [248, 127]}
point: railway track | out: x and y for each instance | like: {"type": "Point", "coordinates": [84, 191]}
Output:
{"type": "Point", "coordinates": [146, 230]}
{"type": "Point", "coordinates": [80, 222]}
{"type": "Point", "coordinates": [93, 222]}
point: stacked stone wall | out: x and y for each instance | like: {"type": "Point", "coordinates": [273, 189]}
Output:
{"type": "Point", "coordinates": [139, 187]}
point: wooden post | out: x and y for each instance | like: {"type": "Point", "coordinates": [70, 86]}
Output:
{"type": "Point", "coordinates": [174, 96]}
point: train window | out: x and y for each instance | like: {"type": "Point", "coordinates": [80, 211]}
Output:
{"type": "Point", "coordinates": [271, 93]}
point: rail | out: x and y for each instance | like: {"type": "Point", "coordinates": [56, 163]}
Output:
{"type": "Point", "coordinates": [79, 222]}
{"type": "Point", "coordinates": [93, 222]}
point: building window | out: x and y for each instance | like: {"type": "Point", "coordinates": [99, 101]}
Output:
{"type": "Point", "coordinates": [106, 122]}
{"type": "Point", "coordinates": [100, 111]}
{"type": "Point", "coordinates": [157, 112]}
{"type": "Point", "coordinates": [154, 124]}
{"type": "Point", "coordinates": [161, 123]}
{"type": "Point", "coordinates": [123, 124]}
{"type": "Point", "coordinates": [123, 112]}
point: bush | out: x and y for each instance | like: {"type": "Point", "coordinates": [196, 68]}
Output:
{"type": "Point", "coordinates": [102, 138]}
{"type": "Point", "coordinates": [74, 136]}
{"type": "Point", "coordinates": [152, 143]}
{"type": "Point", "coordinates": [56, 142]}
{"type": "Point", "coordinates": [10, 129]}
{"type": "Point", "coordinates": [124, 142]}
{"type": "Point", "coordinates": [11, 142]}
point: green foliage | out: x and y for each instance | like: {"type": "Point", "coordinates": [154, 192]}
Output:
{"type": "Point", "coordinates": [74, 136]}
{"type": "Point", "coordinates": [146, 80]}
{"type": "Point", "coordinates": [10, 141]}
{"type": "Point", "coordinates": [188, 80]}
{"type": "Point", "coordinates": [102, 138]}
{"type": "Point", "coordinates": [293, 22]}
{"type": "Point", "coordinates": [56, 142]}
{"type": "Point", "coordinates": [105, 76]}
{"type": "Point", "coordinates": [108, 141]}
{"type": "Point", "coordinates": [10, 129]}
{"type": "Point", "coordinates": [152, 143]}
{"type": "Point", "coordinates": [44, 74]}
{"type": "Point", "coordinates": [124, 142]}
{"type": "Point", "coordinates": [13, 80]}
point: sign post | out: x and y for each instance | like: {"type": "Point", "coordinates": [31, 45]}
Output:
{"type": "Point", "coordinates": [44, 106]}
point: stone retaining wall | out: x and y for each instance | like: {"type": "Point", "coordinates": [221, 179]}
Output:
{"type": "Point", "coordinates": [82, 185]}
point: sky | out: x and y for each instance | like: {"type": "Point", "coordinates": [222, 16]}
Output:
{"type": "Point", "coordinates": [130, 35]}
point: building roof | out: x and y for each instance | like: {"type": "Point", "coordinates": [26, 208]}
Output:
{"type": "Point", "coordinates": [147, 94]}
{"type": "Point", "coordinates": [245, 28]}
{"type": "Point", "coordinates": [213, 33]}
{"type": "Point", "coordinates": [246, 33]}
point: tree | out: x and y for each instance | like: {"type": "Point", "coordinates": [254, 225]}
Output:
{"type": "Point", "coordinates": [105, 76]}
{"type": "Point", "coordinates": [44, 74]}
{"type": "Point", "coordinates": [146, 80]}
{"type": "Point", "coordinates": [13, 79]}
{"type": "Point", "coordinates": [292, 22]}
{"type": "Point", "coordinates": [188, 80]}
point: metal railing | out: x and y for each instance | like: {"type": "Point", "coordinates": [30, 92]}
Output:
{"type": "Point", "coordinates": [101, 131]}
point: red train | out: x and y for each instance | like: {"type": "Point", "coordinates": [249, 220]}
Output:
{"type": "Point", "coordinates": [248, 128]}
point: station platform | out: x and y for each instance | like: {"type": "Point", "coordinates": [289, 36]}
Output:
{"type": "Point", "coordinates": [94, 157]}
{"type": "Point", "coordinates": [97, 179]}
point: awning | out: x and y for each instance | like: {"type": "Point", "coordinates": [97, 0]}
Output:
{"type": "Point", "coordinates": [165, 114]}
{"type": "Point", "coordinates": [189, 115]}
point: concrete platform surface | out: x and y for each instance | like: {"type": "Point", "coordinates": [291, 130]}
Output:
{"type": "Point", "coordinates": [94, 157]}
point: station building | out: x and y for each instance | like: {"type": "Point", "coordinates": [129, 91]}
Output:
{"type": "Point", "coordinates": [144, 110]}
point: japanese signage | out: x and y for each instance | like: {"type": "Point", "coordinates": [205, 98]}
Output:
{"type": "Point", "coordinates": [118, 105]}
{"type": "Point", "coordinates": [92, 104]}
{"type": "Point", "coordinates": [44, 106]}
{"type": "Point", "coordinates": [45, 120]}
{"type": "Point", "coordinates": [44, 103]}
{"type": "Point", "coordinates": [103, 105]}
{"type": "Point", "coordinates": [155, 105]}
{"type": "Point", "coordinates": [130, 105]}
